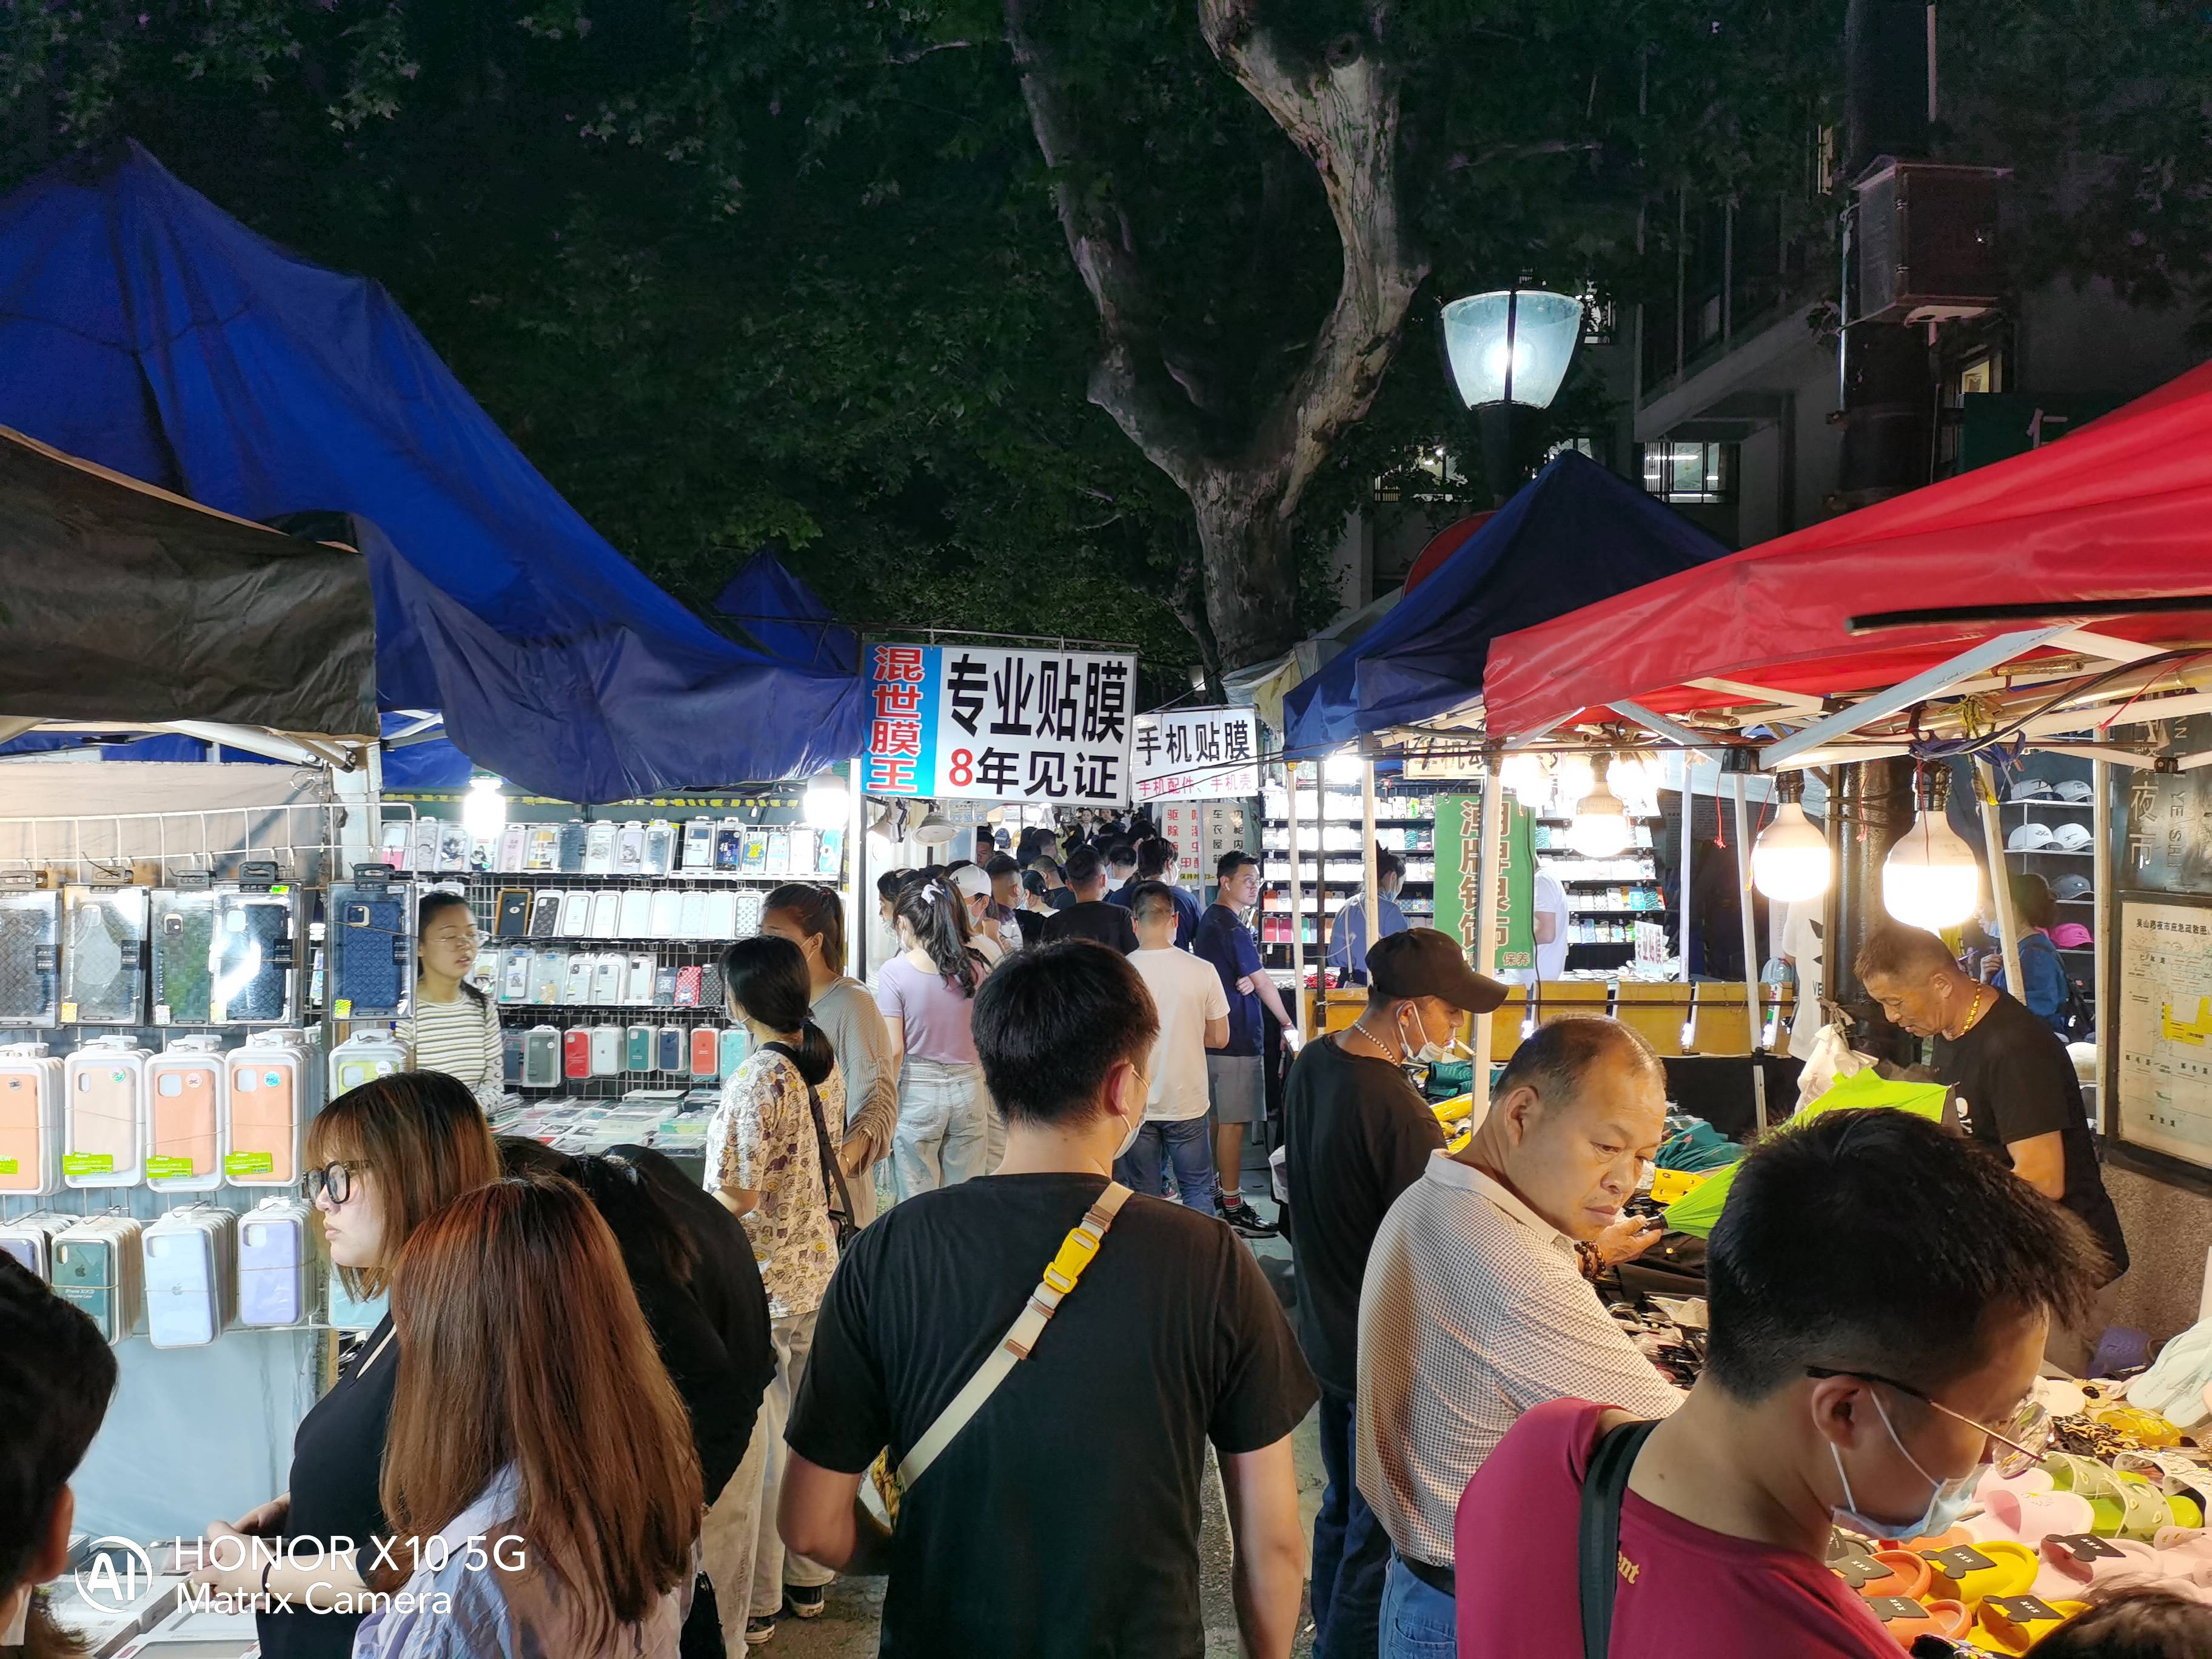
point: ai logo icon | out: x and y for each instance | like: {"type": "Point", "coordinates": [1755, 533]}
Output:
{"type": "Point", "coordinates": [116, 1573]}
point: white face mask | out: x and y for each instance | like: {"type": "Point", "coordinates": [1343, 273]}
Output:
{"type": "Point", "coordinates": [1427, 1052]}
{"type": "Point", "coordinates": [1947, 1501]}
{"type": "Point", "coordinates": [1136, 1126]}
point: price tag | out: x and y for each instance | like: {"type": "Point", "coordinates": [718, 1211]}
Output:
{"type": "Point", "coordinates": [9, 1166]}
{"type": "Point", "coordinates": [1958, 1561]}
{"type": "Point", "coordinates": [161, 1167]}
{"type": "Point", "coordinates": [2086, 1547]}
{"type": "Point", "coordinates": [342, 1009]}
{"type": "Point", "coordinates": [249, 1164]}
{"type": "Point", "coordinates": [87, 1164]}
{"type": "Point", "coordinates": [2024, 1609]}
{"type": "Point", "coordinates": [69, 1013]}
{"type": "Point", "coordinates": [1887, 1608]}
{"type": "Point", "coordinates": [160, 1013]}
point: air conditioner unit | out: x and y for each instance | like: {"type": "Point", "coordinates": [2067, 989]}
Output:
{"type": "Point", "coordinates": [1927, 243]}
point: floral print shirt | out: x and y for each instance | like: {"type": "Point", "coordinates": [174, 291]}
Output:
{"type": "Point", "coordinates": [761, 1139]}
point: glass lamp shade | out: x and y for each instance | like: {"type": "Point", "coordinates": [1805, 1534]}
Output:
{"type": "Point", "coordinates": [1526, 331]}
{"type": "Point", "coordinates": [483, 809]}
{"type": "Point", "coordinates": [1789, 861]}
{"type": "Point", "coordinates": [1600, 828]}
{"type": "Point", "coordinates": [1930, 878]}
{"type": "Point", "coordinates": [829, 803]}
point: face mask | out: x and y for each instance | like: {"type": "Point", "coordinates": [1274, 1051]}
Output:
{"type": "Point", "coordinates": [1428, 1053]}
{"type": "Point", "coordinates": [1129, 1139]}
{"type": "Point", "coordinates": [1948, 1501]}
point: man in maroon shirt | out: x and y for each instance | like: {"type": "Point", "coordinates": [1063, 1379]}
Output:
{"type": "Point", "coordinates": [1880, 1295]}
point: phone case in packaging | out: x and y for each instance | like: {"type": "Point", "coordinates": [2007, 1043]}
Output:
{"type": "Point", "coordinates": [30, 1122]}
{"type": "Point", "coordinates": [254, 956]}
{"type": "Point", "coordinates": [576, 986]}
{"type": "Point", "coordinates": [721, 915]}
{"type": "Point", "coordinates": [396, 845]}
{"type": "Point", "coordinates": [99, 1265]}
{"type": "Point", "coordinates": [694, 923]}
{"type": "Point", "coordinates": [576, 840]}
{"type": "Point", "coordinates": [104, 1113]}
{"type": "Point", "coordinates": [629, 848]}
{"type": "Point", "coordinates": [455, 848]}
{"type": "Point", "coordinates": [664, 986]}
{"type": "Point", "coordinates": [830, 854]}
{"type": "Point", "coordinates": [698, 844]}
{"type": "Point", "coordinates": [576, 1052]}
{"type": "Point", "coordinates": [737, 1043]}
{"type": "Point", "coordinates": [364, 1057]}
{"type": "Point", "coordinates": [430, 837]}
{"type": "Point", "coordinates": [748, 922]}
{"type": "Point", "coordinates": [541, 1057]}
{"type": "Point", "coordinates": [637, 987]}
{"type": "Point", "coordinates": [686, 987]}
{"type": "Point", "coordinates": [666, 921]}
{"type": "Point", "coordinates": [633, 917]}
{"type": "Point", "coordinates": [514, 976]}
{"type": "Point", "coordinates": [486, 973]}
{"type": "Point", "coordinates": [191, 1276]}
{"type": "Point", "coordinates": [637, 1049]}
{"type": "Point", "coordinates": [608, 972]}
{"type": "Point", "coordinates": [544, 847]}
{"type": "Point", "coordinates": [510, 1056]}
{"type": "Point", "coordinates": [545, 913]}
{"type": "Point", "coordinates": [706, 1051]}
{"type": "Point", "coordinates": [511, 918]}
{"type": "Point", "coordinates": [187, 1104]}
{"type": "Point", "coordinates": [802, 852]}
{"type": "Point", "coordinates": [778, 859]}
{"type": "Point", "coordinates": [659, 849]}
{"type": "Point", "coordinates": [606, 1050]}
{"type": "Point", "coordinates": [710, 986]}
{"type": "Point", "coordinates": [30, 957]}
{"type": "Point", "coordinates": [272, 1096]}
{"type": "Point", "coordinates": [28, 1240]}
{"type": "Point", "coordinates": [513, 853]}
{"type": "Point", "coordinates": [104, 959]}
{"type": "Point", "coordinates": [183, 931]}
{"type": "Point", "coordinates": [276, 1264]}
{"type": "Point", "coordinates": [729, 845]}
{"type": "Point", "coordinates": [674, 1051]}
{"type": "Point", "coordinates": [606, 914]}
{"type": "Point", "coordinates": [371, 944]}
{"type": "Point", "coordinates": [549, 972]}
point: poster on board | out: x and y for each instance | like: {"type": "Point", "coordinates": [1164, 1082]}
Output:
{"type": "Point", "coordinates": [2164, 1065]}
{"type": "Point", "coordinates": [1459, 851]}
{"type": "Point", "coordinates": [956, 722]}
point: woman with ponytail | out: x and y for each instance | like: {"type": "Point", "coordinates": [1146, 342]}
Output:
{"type": "Point", "coordinates": [926, 995]}
{"type": "Point", "coordinates": [769, 1160]}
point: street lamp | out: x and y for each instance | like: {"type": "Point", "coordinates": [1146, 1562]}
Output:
{"type": "Point", "coordinates": [1508, 349]}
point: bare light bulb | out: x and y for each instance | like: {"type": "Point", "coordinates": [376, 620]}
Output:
{"type": "Point", "coordinates": [1789, 861]}
{"type": "Point", "coordinates": [1600, 828]}
{"type": "Point", "coordinates": [1931, 878]}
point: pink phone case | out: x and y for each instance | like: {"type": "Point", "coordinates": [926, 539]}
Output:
{"type": "Point", "coordinates": [184, 1123]}
{"type": "Point", "coordinates": [104, 1113]}
{"type": "Point", "coordinates": [20, 1143]}
{"type": "Point", "coordinates": [262, 1116]}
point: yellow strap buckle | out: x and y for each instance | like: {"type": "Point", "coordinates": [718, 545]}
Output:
{"type": "Point", "coordinates": [1075, 1253]}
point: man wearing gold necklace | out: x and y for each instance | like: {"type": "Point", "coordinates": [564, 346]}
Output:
{"type": "Point", "coordinates": [2015, 1088]}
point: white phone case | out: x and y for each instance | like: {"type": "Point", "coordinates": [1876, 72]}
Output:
{"type": "Point", "coordinates": [667, 916]}
{"type": "Point", "coordinates": [576, 991]}
{"type": "Point", "coordinates": [694, 924]}
{"type": "Point", "coordinates": [722, 916]}
{"type": "Point", "coordinates": [637, 992]}
{"type": "Point", "coordinates": [635, 918]}
{"type": "Point", "coordinates": [607, 974]}
{"type": "Point", "coordinates": [606, 914]}
{"type": "Point", "coordinates": [629, 849]}
{"type": "Point", "coordinates": [606, 1050]}
{"type": "Point", "coordinates": [599, 850]}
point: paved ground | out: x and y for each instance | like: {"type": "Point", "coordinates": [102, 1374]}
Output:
{"type": "Point", "coordinates": [847, 1629]}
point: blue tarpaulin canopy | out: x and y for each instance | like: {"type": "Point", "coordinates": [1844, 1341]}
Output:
{"type": "Point", "coordinates": [786, 617]}
{"type": "Point", "coordinates": [144, 329]}
{"type": "Point", "coordinates": [1577, 534]}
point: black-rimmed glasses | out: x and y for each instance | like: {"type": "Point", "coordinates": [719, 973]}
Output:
{"type": "Point", "coordinates": [335, 1179]}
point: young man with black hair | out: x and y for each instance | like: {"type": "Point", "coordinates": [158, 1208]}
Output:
{"type": "Point", "coordinates": [1121, 871]}
{"type": "Point", "coordinates": [1063, 1519]}
{"type": "Point", "coordinates": [1828, 1396]}
{"type": "Point", "coordinates": [1058, 895]}
{"type": "Point", "coordinates": [1193, 1013]}
{"type": "Point", "coordinates": [2016, 1092]}
{"type": "Point", "coordinates": [1156, 861]}
{"type": "Point", "coordinates": [1476, 1305]}
{"type": "Point", "coordinates": [1347, 934]}
{"type": "Point", "coordinates": [1090, 916]}
{"type": "Point", "coordinates": [1234, 1078]}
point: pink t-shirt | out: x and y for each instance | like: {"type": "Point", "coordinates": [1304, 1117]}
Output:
{"type": "Point", "coordinates": [1683, 1592]}
{"type": "Point", "coordinates": [935, 1010]}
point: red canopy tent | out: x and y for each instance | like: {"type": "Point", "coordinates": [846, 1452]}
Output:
{"type": "Point", "coordinates": [2034, 557]}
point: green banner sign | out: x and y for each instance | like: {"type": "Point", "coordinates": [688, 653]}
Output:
{"type": "Point", "coordinates": [1459, 841]}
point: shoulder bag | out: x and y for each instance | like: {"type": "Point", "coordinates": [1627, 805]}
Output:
{"type": "Point", "coordinates": [1076, 1252]}
{"type": "Point", "coordinates": [835, 1193]}
{"type": "Point", "coordinates": [1603, 1485]}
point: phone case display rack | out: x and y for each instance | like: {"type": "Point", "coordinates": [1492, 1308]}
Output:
{"type": "Point", "coordinates": [163, 1045]}
{"type": "Point", "coordinates": [1404, 823]}
{"type": "Point", "coordinates": [1607, 898]}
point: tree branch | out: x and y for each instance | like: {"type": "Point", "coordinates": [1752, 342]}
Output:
{"type": "Point", "coordinates": [1497, 153]}
{"type": "Point", "coordinates": [901, 58]}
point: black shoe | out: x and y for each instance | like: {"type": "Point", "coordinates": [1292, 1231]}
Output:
{"type": "Point", "coordinates": [759, 1629]}
{"type": "Point", "coordinates": [1246, 1220]}
{"type": "Point", "coordinates": [803, 1601]}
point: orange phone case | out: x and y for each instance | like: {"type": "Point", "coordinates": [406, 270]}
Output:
{"type": "Point", "coordinates": [183, 1124]}
{"type": "Point", "coordinates": [706, 1050]}
{"type": "Point", "coordinates": [262, 1116]}
{"type": "Point", "coordinates": [104, 1114]}
{"type": "Point", "coordinates": [22, 1142]}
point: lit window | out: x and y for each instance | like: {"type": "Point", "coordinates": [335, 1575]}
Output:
{"type": "Point", "coordinates": [1689, 473]}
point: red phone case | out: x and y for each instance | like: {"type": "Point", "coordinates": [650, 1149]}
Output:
{"type": "Point", "coordinates": [576, 1053]}
{"type": "Point", "coordinates": [706, 1051]}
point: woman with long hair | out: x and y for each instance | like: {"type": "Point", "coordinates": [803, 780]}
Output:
{"type": "Point", "coordinates": [455, 1029]}
{"type": "Point", "coordinates": [771, 1160]}
{"type": "Point", "coordinates": [926, 994]}
{"type": "Point", "coordinates": [57, 1376]}
{"type": "Point", "coordinates": [813, 919]}
{"type": "Point", "coordinates": [381, 1159]}
{"type": "Point", "coordinates": [535, 1423]}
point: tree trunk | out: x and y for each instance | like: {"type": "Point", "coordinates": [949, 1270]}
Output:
{"type": "Point", "coordinates": [1251, 587]}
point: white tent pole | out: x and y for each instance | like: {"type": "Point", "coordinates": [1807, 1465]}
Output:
{"type": "Point", "coordinates": [1689, 817]}
{"type": "Point", "coordinates": [1993, 838]}
{"type": "Point", "coordinates": [1750, 951]}
{"type": "Point", "coordinates": [2101, 912]}
{"type": "Point", "coordinates": [1370, 912]}
{"type": "Point", "coordinates": [1485, 933]}
{"type": "Point", "coordinates": [1298, 899]}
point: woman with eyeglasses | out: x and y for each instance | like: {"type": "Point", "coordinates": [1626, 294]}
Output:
{"type": "Point", "coordinates": [382, 1159]}
{"type": "Point", "coordinates": [455, 1029]}
{"type": "Point", "coordinates": [534, 1421]}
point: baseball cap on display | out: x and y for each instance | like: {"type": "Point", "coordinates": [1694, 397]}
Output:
{"type": "Point", "coordinates": [1421, 962]}
{"type": "Point", "coordinates": [2029, 838]}
{"type": "Point", "coordinates": [2029, 789]}
{"type": "Point", "coordinates": [2069, 936]}
{"type": "Point", "coordinates": [2071, 887]}
{"type": "Point", "coordinates": [2071, 837]}
{"type": "Point", "coordinates": [2074, 789]}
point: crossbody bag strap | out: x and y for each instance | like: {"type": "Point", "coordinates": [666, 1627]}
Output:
{"type": "Point", "coordinates": [1603, 1485]}
{"type": "Point", "coordinates": [1076, 1252]}
{"type": "Point", "coordinates": [833, 1193]}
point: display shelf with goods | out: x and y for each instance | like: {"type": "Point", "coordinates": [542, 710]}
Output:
{"type": "Point", "coordinates": [2067, 863]}
{"type": "Point", "coordinates": [1333, 874]}
{"type": "Point", "coordinates": [1608, 899]}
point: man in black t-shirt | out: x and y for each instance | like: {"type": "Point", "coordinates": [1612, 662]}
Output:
{"type": "Point", "coordinates": [1091, 916]}
{"type": "Point", "coordinates": [1357, 1136]}
{"type": "Point", "coordinates": [1063, 1518]}
{"type": "Point", "coordinates": [2015, 1088]}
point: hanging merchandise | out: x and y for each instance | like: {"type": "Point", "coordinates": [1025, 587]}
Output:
{"type": "Point", "coordinates": [183, 931]}
{"type": "Point", "coordinates": [99, 1265]}
{"type": "Point", "coordinates": [370, 938]}
{"type": "Point", "coordinates": [737, 1045]}
{"type": "Point", "coordinates": [30, 957]}
{"type": "Point", "coordinates": [541, 1057]}
{"type": "Point", "coordinates": [104, 1088]}
{"type": "Point", "coordinates": [29, 1241]}
{"type": "Point", "coordinates": [191, 1276]}
{"type": "Point", "coordinates": [364, 1057]}
{"type": "Point", "coordinates": [30, 1121]}
{"type": "Point", "coordinates": [187, 1108]}
{"type": "Point", "coordinates": [271, 1096]}
{"type": "Point", "coordinates": [276, 1264]}
{"type": "Point", "coordinates": [103, 961]}
{"type": "Point", "coordinates": [253, 956]}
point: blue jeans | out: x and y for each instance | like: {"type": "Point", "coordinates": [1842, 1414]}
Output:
{"type": "Point", "coordinates": [1418, 1621]}
{"type": "Point", "coordinates": [1185, 1147]}
{"type": "Point", "coordinates": [1350, 1548]}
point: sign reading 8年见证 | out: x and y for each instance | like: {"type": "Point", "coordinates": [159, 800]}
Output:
{"type": "Point", "coordinates": [970, 723]}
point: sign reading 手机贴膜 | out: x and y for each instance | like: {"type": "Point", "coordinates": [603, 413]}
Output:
{"type": "Point", "coordinates": [976, 723]}
{"type": "Point", "coordinates": [1197, 754]}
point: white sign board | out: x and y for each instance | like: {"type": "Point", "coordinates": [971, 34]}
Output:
{"type": "Point", "coordinates": [2165, 1028]}
{"type": "Point", "coordinates": [1047, 728]}
{"type": "Point", "coordinates": [1197, 754]}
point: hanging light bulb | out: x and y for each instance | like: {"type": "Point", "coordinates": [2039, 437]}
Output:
{"type": "Point", "coordinates": [1571, 779]}
{"type": "Point", "coordinates": [1789, 861]}
{"type": "Point", "coordinates": [1524, 775]}
{"type": "Point", "coordinates": [829, 803]}
{"type": "Point", "coordinates": [1600, 828]}
{"type": "Point", "coordinates": [1635, 778]}
{"type": "Point", "coordinates": [1342, 767]}
{"type": "Point", "coordinates": [1931, 878]}
{"type": "Point", "coordinates": [483, 809]}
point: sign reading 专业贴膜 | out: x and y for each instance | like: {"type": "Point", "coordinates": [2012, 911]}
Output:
{"type": "Point", "coordinates": [976, 723]}
{"type": "Point", "coordinates": [1197, 754]}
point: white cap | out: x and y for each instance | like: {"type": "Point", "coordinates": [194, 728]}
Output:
{"type": "Point", "coordinates": [2030, 837]}
{"type": "Point", "coordinates": [2030, 789]}
{"type": "Point", "coordinates": [972, 882]}
{"type": "Point", "coordinates": [2071, 836]}
{"type": "Point", "coordinates": [2074, 789]}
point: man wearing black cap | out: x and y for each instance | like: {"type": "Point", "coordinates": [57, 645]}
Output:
{"type": "Point", "coordinates": [1358, 1135]}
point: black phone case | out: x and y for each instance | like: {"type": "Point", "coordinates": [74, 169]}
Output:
{"type": "Point", "coordinates": [513, 914]}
